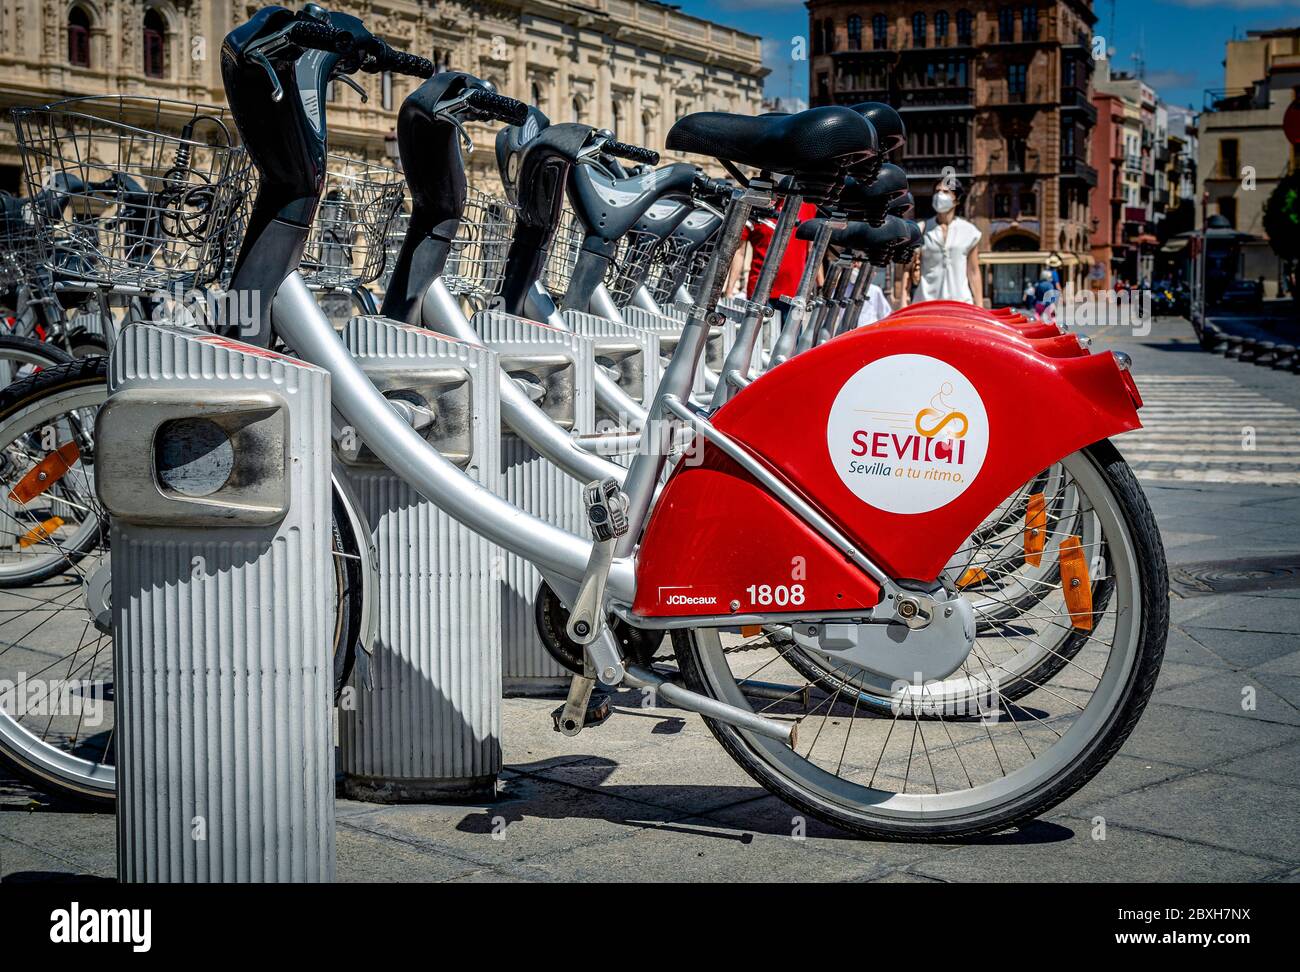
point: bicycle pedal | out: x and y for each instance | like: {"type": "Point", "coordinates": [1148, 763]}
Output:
{"type": "Point", "coordinates": [606, 505]}
{"type": "Point", "coordinates": [597, 712]}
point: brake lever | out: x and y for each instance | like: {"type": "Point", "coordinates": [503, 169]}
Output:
{"type": "Point", "coordinates": [351, 83]}
{"type": "Point", "coordinates": [277, 90]}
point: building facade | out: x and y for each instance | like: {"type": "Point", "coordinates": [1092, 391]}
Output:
{"type": "Point", "coordinates": [997, 94]}
{"type": "Point", "coordinates": [633, 66]}
{"type": "Point", "coordinates": [1243, 151]}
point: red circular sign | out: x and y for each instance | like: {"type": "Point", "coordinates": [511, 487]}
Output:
{"type": "Point", "coordinates": [1291, 122]}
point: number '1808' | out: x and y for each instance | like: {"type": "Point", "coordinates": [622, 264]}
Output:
{"type": "Point", "coordinates": [778, 594]}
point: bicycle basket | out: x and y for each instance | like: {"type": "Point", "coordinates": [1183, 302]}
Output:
{"type": "Point", "coordinates": [476, 266]}
{"type": "Point", "coordinates": [563, 255]}
{"type": "Point", "coordinates": [664, 269]}
{"type": "Point", "coordinates": [347, 246]}
{"type": "Point", "coordinates": [131, 194]}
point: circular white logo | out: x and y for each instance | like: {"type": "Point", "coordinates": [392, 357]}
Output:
{"type": "Point", "coordinates": [908, 433]}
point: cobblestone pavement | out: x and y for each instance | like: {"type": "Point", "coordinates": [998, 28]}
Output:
{"type": "Point", "coordinates": [1204, 790]}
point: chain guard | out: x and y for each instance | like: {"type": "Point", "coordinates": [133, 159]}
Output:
{"type": "Point", "coordinates": [552, 617]}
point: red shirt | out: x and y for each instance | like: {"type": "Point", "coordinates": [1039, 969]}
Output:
{"type": "Point", "coordinates": [759, 235]}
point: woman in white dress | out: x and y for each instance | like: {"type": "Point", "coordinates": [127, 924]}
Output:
{"type": "Point", "coordinates": [946, 265]}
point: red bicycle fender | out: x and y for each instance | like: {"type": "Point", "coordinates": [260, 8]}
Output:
{"type": "Point", "coordinates": [1022, 325]}
{"type": "Point", "coordinates": [856, 426]}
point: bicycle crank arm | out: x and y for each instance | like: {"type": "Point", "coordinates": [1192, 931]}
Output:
{"type": "Point", "coordinates": [684, 698]}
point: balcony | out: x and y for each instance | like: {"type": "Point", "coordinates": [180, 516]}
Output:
{"type": "Point", "coordinates": [1236, 99]}
{"type": "Point", "coordinates": [1075, 99]}
{"type": "Point", "coordinates": [1075, 168]}
{"type": "Point", "coordinates": [933, 166]}
{"type": "Point", "coordinates": [920, 99]}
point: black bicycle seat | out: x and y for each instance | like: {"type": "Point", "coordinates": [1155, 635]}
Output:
{"type": "Point", "coordinates": [858, 235]}
{"type": "Point", "coordinates": [870, 201]}
{"type": "Point", "coordinates": [609, 207]}
{"type": "Point", "coordinates": [813, 142]}
{"type": "Point", "coordinates": [891, 133]}
{"type": "Point", "coordinates": [904, 206]}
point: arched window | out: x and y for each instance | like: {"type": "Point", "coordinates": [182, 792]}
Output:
{"type": "Point", "coordinates": [78, 37]}
{"type": "Point", "coordinates": [918, 30]}
{"type": "Point", "coordinates": [855, 32]}
{"type": "Point", "coordinates": [965, 27]}
{"type": "Point", "coordinates": [155, 42]}
{"type": "Point", "coordinates": [577, 108]}
{"type": "Point", "coordinates": [1006, 25]}
{"type": "Point", "coordinates": [539, 98]}
{"type": "Point", "coordinates": [647, 129]}
{"type": "Point", "coordinates": [1029, 23]}
{"type": "Point", "coordinates": [615, 117]}
{"type": "Point", "coordinates": [879, 32]}
{"type": "Point", "coordinates": [940, 28]}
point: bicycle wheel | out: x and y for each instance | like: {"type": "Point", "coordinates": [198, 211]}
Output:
{"type": "Point", "coordinates": [974, 769]}
{"type": "Point", "coordinates": [1005, 573]}
{"type": "Point", "coordinates": [21, 356]}
{"type": "Point", "coordinates": [56, 646]}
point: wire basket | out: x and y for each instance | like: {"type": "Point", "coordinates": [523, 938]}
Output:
{"type": "Point", "coordinates": [20, 250]}
{"type": "Point", "coordinates": [699, 266]}
{"type": "Point", "coordinates": [131, 193]}
{"type": "Point", "coordinates": [348, 243]}
{"type": "Point", "coordinates": [664, 270]}
{"type": "Point", "coordinates": [476, 266]}
{"type": "Point", "coordinates": [634, 265]}
{"type": "Point", "coordinates": [562, 256]}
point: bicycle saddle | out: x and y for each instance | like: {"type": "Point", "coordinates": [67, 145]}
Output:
{"type": "Point", "coordinates": [870, 201]}
{"type": "Point", "coordinates": [891, 133]}
{"type": "Point", "coordinates": [861, 237]}
{"type": "Point", "coordinates": [609, 207]}
{"type": "Point", "coordinates": [904, 206]}
{"type": "Point", "coordinates": [818, 141]}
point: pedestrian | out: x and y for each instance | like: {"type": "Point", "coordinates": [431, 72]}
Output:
{"type": "Point", "coordinates": [755, 240]}
{"type": "Point", "coordinates": [1044, 293]}
{"type": "Point", "coordinates": [946, 265]}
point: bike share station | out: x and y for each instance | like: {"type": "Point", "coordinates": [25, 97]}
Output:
{"type": "Point", "coordinates": [545, 464]}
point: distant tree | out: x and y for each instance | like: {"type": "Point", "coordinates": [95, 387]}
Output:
{"type": "Point", "coordinates": [1282, 225]}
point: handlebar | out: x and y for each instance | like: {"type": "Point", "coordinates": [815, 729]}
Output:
{"type": "Point", "coordinates": [497, 106]}
{"type": "Point", "coordinates": [633, 153]}
{"type": "Point", "coordinates": [381, 57]}
{"type": "Point", "coordinates": [315, 36]}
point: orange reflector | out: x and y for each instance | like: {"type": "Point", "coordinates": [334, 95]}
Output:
{"type": "Point", "coordinates": [972, 575]}
{"type": "Point", "coordinates": [40, 532]}
{"type": "Point", "coordinates": [1035, 529]}
{"type": "Point", "coordinates": [45, 473]}
{"type": "Point", "coordinates": [1075, 583]}
{"type": "Point", "coordinates": [749, 630]}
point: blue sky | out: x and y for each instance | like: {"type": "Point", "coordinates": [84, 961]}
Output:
{"type": "Point", "coordinates": [1182, 39]}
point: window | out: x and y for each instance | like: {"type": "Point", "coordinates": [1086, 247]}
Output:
{"type": "Point", "coordinates": [1028, 203]}
{"type": "Point", "coordinates": [1068, 72]}
{"type": "Point", "coordinates": [614, 116]}
{"type": "Point", "coordinates": [965, 27]}
{"type": "Point", "coordinates": [855, 33]}
{"type": "Point", "coordinates": [940, 28]}
{"type": "Point", "coordinates": [539, 96]}
{"type": "Point", "coordinates": [828, 30]}
{"type": "Point", "coordinates": [1067, 142]}
{"type": "Point", "coordinates": [386, 90]}
{"type": "Point", "coordinates": [1017, 74]}
{"type": "Point", "coordinates": [1228, 165]}
{"type": "Point", "coordinates": [78, 38]}
{"type": "Point", "coordinates": [1006, 25]}
{"type": "Point", "coordinates": [1002, 205]}
{"type": "Point", "coordinates": [918, 30]}
{"type": "Point", "coordinates": [577, 109]}
{"type": "Point", "coordinates": [879, 32]}
{"type": "Point", "coordinates": [1017, 150]}
{"type": "Point", "coordinates": [648, 129]}
{"type": "Point", "coordinates": [1029, 23]}
{"type": "Point", "coordinates": [155, 33]}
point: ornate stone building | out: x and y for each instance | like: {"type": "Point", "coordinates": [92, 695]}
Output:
{"type": "Point", "coordinates": [630, 65]}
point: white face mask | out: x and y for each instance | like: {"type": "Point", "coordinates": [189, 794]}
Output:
{"type": "Point", "coordinates": [944, 202]}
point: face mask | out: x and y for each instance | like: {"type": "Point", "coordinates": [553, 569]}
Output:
{"type": "Point", "coordinates": [943, 202]}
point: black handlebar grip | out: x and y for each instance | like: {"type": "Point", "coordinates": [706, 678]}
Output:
{"type": "Point", "coordinates": [320, 37]}
{"type": "Point", "coordinates": [497, 106]}
{"type": "Point", "coordinates": [633, 153]}
{"type": "Point", "coordinates": [400, 62]}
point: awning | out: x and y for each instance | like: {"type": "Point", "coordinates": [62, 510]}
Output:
{"type": "Point", "coordinates": [1013, 257]}
{"type": "Point", "coordinates": [1174, 245]}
